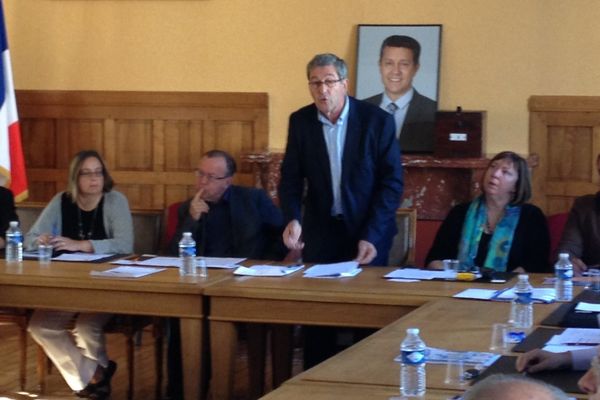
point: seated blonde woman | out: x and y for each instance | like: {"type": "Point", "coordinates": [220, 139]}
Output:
{"type": "Point", "coordinates": [498, 230]}
{"type": "Point", "coordinates": [89, 217]}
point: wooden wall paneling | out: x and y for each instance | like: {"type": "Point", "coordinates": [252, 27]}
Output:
{"type": "Point", "coordinates": [158, 161]}
{"type": "Point", "coordinates": [84, 135]}
{"type": "Point", "coordinates": [565, 133]}
{"type": "Point", "coordinates": [151, 141]}
{"type": "Point", "coordinates": [109, 153]}
{"type": "Point", "coordinates": [39, 142]}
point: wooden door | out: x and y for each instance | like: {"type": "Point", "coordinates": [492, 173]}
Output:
{"type": "Point", "coordinates": [565, 134]}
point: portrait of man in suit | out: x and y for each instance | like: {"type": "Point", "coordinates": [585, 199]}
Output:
{"type": "Point", "coordinates": [399, 64]}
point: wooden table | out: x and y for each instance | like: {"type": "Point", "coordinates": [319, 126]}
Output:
{"type": "Point", "coordinates": [69, 286]}
{"type": "Point", "coordinates": [450, 323]}
{"type": "Point", "coordinates": [301, 390]}
{"type": "Point", "coordinates": [366, 301]}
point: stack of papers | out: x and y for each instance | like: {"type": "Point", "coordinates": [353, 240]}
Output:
{"type": "Point", "coordinates": [211, 262]}
{"type": "Point", "coordinates": [126, 272]}
{"type": "Point", "coordinates": [440, 356]}
{"type": "Point", "coordinates": [337, 270]}
{"type": "Point", "coordinates": [572, 339]}
{"type": "Point", "coordinates": [540, 295]}
{"type": "Point", "coordinates": [267, 270]}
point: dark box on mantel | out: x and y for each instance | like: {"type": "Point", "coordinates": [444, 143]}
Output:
{"type": "Point", "coordinates": [459, 134]}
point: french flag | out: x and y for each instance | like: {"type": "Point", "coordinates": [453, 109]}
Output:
{"type": "Point", "coordinates": [12, 163]}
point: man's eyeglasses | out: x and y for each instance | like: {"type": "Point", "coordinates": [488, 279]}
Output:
{"type": "Point", "coordinates": [91, 174]}
{"type": "Point", "coordinates": [209, 177]}
{"type": "Point", "coordinates": [327, 82]}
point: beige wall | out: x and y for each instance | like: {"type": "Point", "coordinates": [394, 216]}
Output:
{"type": "Point", "coordinates": [495, 53]}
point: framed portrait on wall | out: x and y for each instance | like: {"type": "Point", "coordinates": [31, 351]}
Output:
{"type": "Point", "coordinates": [398, 69]}
{"type": "Point", "coordinates": [370, 39]}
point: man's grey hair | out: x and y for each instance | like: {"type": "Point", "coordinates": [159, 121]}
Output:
{"type": "Point", "coordinates": [482, 388]}
{"type": "Point", "coordinates": [323, 60]}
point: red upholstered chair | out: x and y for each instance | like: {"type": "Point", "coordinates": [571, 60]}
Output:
{"type": "Point", "coordinates": [556, 226]}
{"type": "Point", "coordinates": [170, 224]}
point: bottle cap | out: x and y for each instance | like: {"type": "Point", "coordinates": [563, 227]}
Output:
{"type": "Point", "coordinates": [187, 234]}
{"type": "Point", "coordinates": [412, 331]}
{"type": "Point", "coordinates": [13, 224]}
{"type": "Point", "coordinates": [564, 255]}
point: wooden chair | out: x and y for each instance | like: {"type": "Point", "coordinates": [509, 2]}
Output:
{"type": "Point", "coordinates": [19, 317]}
{"type": "Point", "coordinates": [403, 246]}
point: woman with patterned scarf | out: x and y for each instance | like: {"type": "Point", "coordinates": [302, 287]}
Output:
{"type": "Point", "coordinates": [498, 230]}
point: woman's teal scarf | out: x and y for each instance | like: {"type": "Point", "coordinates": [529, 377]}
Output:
{"type": "Point", "coordinates": [501, 242]}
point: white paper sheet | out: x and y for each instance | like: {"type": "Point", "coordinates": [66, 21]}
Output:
{"type": "Point", "coordinates": [267, 270]}
{"type": "Point", "coordinates": [175, 262]}
{"type": "Point", "coordinates": [540, 295]}
{"type": "Point", "coordinates": [421, 274]}
{"type": "Point", "coordinates": [477, 294]}
{"type": "Point", "coordinates": [576, 337]}
{"type": "Point", "coordinates": [590, 307]}
{"type": "Point", "coordinates": [440, 356]}
{"type": "Point", "coordinates": [561, 348]}
{"type": "Point", "coordinates": [336, 270]}
{"type": "Point", "coordinates": [81, 257]}
{"type": "Point", "coordinates": [544, 295]}
{"type": "Point", "coordinates": [126, 272]}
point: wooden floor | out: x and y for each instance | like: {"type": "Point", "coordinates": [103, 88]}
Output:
{"type": "Point", "coordinates": [144, 372]}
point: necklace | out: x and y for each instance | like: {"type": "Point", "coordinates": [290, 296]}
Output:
{"type": "Point", "coordinates": [88, 235]}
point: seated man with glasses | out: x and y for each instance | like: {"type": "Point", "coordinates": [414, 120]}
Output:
{"type": "Point", "coordinates": [226, 220]}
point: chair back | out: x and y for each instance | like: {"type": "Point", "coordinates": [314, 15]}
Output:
{"type": "Point", "coordinates": [146, 231]}
{"type": "Point", "coordinates": [403, 246]}
{"type": "Point", "coordinates": [556, 226]}
{"type": "Point", "coordinates": [169, 224]}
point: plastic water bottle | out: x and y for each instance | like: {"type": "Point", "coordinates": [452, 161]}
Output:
{"type": "Point", "coordinates": [563, 270]}
{"type": "Point", "coordinates": [521, 311]}
{"type": "Point", "coordinates": [412, 372]}
{"type": "Point", "coordinates": [14, 243]}
{"type": "Point", "coordinates": [187, 254]}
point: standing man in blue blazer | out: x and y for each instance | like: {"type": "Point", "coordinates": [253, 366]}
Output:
{"type": "Point", "coordinates": [346, 153]}
{"type": "Point", "coordinates": [342, 166]}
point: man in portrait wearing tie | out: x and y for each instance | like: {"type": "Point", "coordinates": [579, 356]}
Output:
{"type": "Point", "coordinates": [414, 113]}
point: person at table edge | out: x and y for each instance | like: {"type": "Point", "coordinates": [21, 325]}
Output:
{"type": "Point", "coordinates": [581, 236]}
{"type": "Point", "coordinates": [226, 220]}
{"type": "Point", "coordinates": [498, 230]}
{"type": "Point", "coordinates": [89, 217]}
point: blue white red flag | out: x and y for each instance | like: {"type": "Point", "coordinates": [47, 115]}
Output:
{"type": "Point", "coordinates": [12, 162]}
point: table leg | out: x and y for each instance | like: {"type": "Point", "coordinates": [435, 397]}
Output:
{"type": "Point", "coordinates": [192, 345]}
{"type": "Point", "coordinates": [223, 346]}
{"type": "Point", "coordinates": [256, 339]}
{"type": "Point", "coordinates": [282, 349]}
